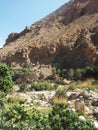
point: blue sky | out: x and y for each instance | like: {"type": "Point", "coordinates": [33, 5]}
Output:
{"type": "Point", "coordinates": [15, 15]}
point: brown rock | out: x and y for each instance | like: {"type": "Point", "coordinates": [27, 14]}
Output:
{"type": "Point", "coordinates": [95, 102]}
{"type": "Point", "coordinates": [84, 94]}
{"type": "Point", "coordinates": [66, 82]}
{"type": "Point", "coordinates": [73, 96]}
{"type": "Point", "coordinates": [65, 38]}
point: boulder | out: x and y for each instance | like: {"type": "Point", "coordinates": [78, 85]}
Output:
{"type": "Point", "coordinates": [73, 96]}
{"type": "Point", "coordinates": [95, 102]}
{"type": "Point", "coordinates": [66, 82]}
{"type": "Point", "coordinates": [84, 94]}
{"type": "Point", "coordinates": [96, 113]}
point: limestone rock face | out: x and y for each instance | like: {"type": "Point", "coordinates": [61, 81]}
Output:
{"type": "Point", "coordinates": [68, 37]}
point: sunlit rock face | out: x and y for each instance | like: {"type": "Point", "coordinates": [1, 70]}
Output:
{"type": "Point", "coordinates": [67, 38]}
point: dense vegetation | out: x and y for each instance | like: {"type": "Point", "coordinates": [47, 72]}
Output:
{"type": "Point", "coordinates": [79, 73]}
{"type": "Point", "coordinates": [17, 117]}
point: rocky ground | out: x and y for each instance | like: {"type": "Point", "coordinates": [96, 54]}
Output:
{"type": "Point", "coordinates": [83, 101]}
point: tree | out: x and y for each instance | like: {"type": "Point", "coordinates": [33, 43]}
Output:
{"type": "Point", "coordinates": [91, 71]}
{"type": "Point", "coordinates": [78, 74]}
{"type": "Point", "coordinates": [71, 74]}
{"type": "Point", "coordinates": [6, 82]}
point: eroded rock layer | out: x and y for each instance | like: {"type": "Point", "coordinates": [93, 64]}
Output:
{"type": "Point", "coordinates": [67, 37]}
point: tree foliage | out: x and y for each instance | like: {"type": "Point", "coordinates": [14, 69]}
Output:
{"type": "Point", "coordinates": [62, 118]}
{"type": "Point", "coordinates": [17, 117]}
{"type": "Point", "coordinates": [79, 73]}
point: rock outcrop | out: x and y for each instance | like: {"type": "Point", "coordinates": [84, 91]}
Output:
{"type": "Point", "coordinates": [67, 38]}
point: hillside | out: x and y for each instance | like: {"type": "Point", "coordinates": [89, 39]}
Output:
{"type": "Point", "coordinates": [50, 81]}
{"type": "Point", "coordinates": [68, 37]}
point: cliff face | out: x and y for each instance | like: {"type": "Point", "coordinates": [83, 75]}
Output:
{"type": "Point", "coordinates": [67, 37]}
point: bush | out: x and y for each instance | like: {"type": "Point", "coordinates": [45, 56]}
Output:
{"type": "Point", "coordinates": [72, 86]}
{"type": "Point", "coordinates": [27, 71]}
{"type": "Point", "coordinates": [42, 86]}
{"type": "Point", "coordinates": [3, 100]}
{"type": "Point", "coordinates": [59, 97]}
{"type": "Point", "coordinates": [6, 82]}
{"type": "Point", "coordinates": [17, 117]}
{"type": "Point", "coordinates": [62, 118]}
{"type": "Point", "coordinates": [16, 99]}
{"type": "Point", "coordinates": [24, 87]}
{"type": "Point", "coordinates": [23, 75]}
{"type": "Point", "coordinates": [91, 71]}
{"type": "Point", "coordinates": [78, 74]}
{"type": "Point", "coordinates": [66, 73]}
{"type": "Point", "coordinates": [70, 74]}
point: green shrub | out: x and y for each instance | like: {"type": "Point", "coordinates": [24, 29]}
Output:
{"type": "Point", "coordinates": [24, 87]}
{"type": "Point", "coordinates": [3, 100]}
{"type": "Point", "coordinates": [42, 86]}
{"type": "Point", "coordinates": [70, 74]}
{"type": "Point", "coordinates": [27, 71]}
{"type": "Point", "coordinates": [23, 75]}
{"type": "Point", "coordinates": [78, 74]}
{"type": "Point", "coordinates": [62, 72]}
{"type": "Point", "coordinates": [92, 87]}
{"type": "Point", "coordinates": [61, 93]}
{"type": "Point", "coordinates": [95, 82]}
{"type": "Point", "coordinates": [16, 99]}
{"type": "Point", "coordinates": [72, 86]}
{"type": "Point", "coordinates": [62, 118]}
{"type": "Point", "coordinates": [17, 117]}
{"type": "Point", "coordinates": [6, 82]}
{"type": "Point", "coordinates": [91, 71]}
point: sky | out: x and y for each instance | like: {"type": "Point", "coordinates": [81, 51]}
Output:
{"type": "Point", "coordinates": [15, 15]}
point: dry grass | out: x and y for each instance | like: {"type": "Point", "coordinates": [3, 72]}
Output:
{"type": "Point", "coordinates": [57, 100]}
{"type": "Point", "coordinates": [90, 84]}
{"type": "Point", "coordinates": [85, 83]}
{"type": "Point", "coordinates": [59, 97]}
{"type": "Point", "coordinates": [44, 110]}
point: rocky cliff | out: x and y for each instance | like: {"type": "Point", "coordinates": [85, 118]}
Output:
{"type": "Point", "coordinates": [67, 37]}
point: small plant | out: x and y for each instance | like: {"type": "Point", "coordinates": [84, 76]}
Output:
{"type": "Point", "coordinates": [72, 86]}
{"type": "Point", "coordinates": [24, 87]}
{"type": "Point", "coordinates": [16, 99]}
{"type": "Point", "coordinates": [80, 108]}
{"type": "Point", "coordinates": [92, 87]}
{"type": "Point", "coordinates": [59, 97]}
{"type": "Point", "coordinates": [41, 97]}
{"type": "Point", "coordinates": [95, 82]}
